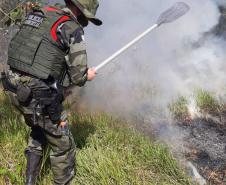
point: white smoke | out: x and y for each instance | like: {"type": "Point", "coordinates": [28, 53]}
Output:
{"type": "Point", "coordinates": [221, 2]}
{"type": "Point", "coordinates": [173, 60]}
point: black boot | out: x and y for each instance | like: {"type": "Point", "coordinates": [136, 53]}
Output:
{"type": "Point", "coordinates": [33, 168]}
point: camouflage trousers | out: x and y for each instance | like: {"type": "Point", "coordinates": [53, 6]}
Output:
{"type": "Point", "coordinates": [47, 133]}
{"type": "Point", "coordinates": [61, 143]}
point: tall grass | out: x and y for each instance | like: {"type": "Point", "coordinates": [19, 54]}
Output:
{"type": "Point", "coordinates": [206, 101]}
{"type": "Point", "coordinates": [179, 108]}
{"type": "Point", "coordinates": [109, 152]}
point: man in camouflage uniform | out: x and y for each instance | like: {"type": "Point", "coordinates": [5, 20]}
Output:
{"type": "Point", "coordinates": [37, 62]}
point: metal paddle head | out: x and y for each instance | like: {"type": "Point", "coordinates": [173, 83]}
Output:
{"type": "Point", "coordinates": [175, 12]}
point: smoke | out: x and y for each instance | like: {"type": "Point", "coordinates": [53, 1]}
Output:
{"type": "Point", "coordinates": [173, 60]}
{"type": "Point", "coordinates": [221, 2]}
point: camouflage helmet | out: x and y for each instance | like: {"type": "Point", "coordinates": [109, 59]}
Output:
{"type": "Point", "coordinates": [88, 8]}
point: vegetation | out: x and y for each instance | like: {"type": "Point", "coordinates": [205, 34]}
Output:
{"type": "Point", "coordinates": [179, 108]}
{"type": "Point", "coordinates": [109, 152]}
{"type": "Point", "coordinates": [6, 6]}
{"type": "Point", "coordinates": [206, 101]}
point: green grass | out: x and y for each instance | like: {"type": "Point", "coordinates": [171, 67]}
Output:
{"type": "Point", "coordinates": [179, 108]}
{"type": "Point", "coordinates": [109, 153]}
{"type": "Point", "coordinates": [206, 101]}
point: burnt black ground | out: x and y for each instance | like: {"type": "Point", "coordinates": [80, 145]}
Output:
{"type": "Point", "coordinates": [207, 137]}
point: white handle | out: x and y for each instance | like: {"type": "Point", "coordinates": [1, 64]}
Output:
{"type": "Point", "coordinates": [112, 57]}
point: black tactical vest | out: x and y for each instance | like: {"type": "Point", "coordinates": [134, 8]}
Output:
{"type": "Point", "coordinates": [34, 51]}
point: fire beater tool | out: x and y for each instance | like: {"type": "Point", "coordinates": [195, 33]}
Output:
{"type": "Point", "coordinates": [175, 12]}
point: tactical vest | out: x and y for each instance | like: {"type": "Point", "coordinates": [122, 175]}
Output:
{"type": "Point", "coordinates": [35, 49]}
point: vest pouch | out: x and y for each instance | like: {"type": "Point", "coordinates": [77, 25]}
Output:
{"type": "Point", "coordinates": [24, 95]}
{"type": "Point", "coordinates": [22, 52]}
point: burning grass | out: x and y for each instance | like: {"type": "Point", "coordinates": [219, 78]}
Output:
{"type": "Point", "coordinates": [199, 104]}
{"type": "Point", "coordinates": [205, 134]}
{"type": "Point", "coordinates": [109, 152]}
